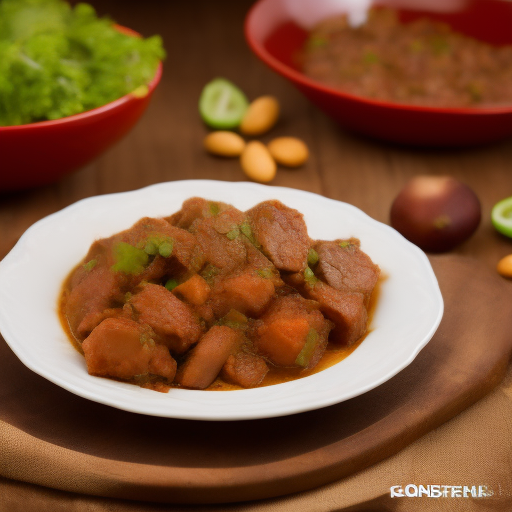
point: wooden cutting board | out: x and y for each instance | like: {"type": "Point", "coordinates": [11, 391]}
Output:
{"type": "Point", "coordinates": [53, 438]}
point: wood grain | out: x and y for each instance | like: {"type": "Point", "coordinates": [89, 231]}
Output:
{"type": "Point", "coordinates": [203, 40]}
{"type": "Point", "coordinates": [120, 454]}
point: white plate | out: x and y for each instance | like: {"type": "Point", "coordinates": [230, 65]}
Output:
{"type": "Point", "coordinates": [408, 312]}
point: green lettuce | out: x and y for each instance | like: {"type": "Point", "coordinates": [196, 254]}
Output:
{"type": "Point", "coordinates": [56, 61]}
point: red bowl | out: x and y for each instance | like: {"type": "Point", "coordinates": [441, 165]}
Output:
{"type": "Point", "coordinates": [41, 153]}
{"type": "Point", "coordinates": [275, 37]}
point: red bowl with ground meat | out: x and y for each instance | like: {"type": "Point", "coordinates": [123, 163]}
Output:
{"type": "Point", "coordinates": [40, 153]}
{"type": "Point", "coordinates": [276, 31]}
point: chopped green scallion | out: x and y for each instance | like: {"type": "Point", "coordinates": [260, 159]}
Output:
{"type": "Point", "coordinates": [90, 265]}
{"type": "Point", "coordinates": [370, 58]}
{"type": "Point", "coordinates": [317, 42]}
{"type": "Point", "coordinates": [416, 46]}
{"type": "Point", "coordinates": [151, 248]}
{"type": "Point", "coordinates": [266, 273]}
{"type": "Point", "coordinates": [312, 257]}
{"type": "Point", "coordinates": [232, 234]}
{"type": "Point", "coordinates": [308, 349]}
{"type": "Point", "coordinates": [171, 284]}
{"type": "Point", "coordinates": [214, 208]}
{"type": "Point", "coordinates": [165, 248]}
{"type": "Point", "coordinates": [310, 277]}
{"type": "Point", "coordinates": [440, 45]}
{"type": "Point", "coordinates": [129, 259]}
{"type": "Point", "coordinates": [245, 228]}
{"type": "Point", "coordinates": [209, 272]}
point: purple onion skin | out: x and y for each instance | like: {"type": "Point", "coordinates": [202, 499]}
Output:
{"type": "Point", "coordinates": [437, 213]}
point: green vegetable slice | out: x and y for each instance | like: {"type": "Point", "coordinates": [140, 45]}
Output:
{"type": "Point", "coordinates": [129, 259]}
{"type": "Point", "coordinates": [502, 216]}
{"type": "Point", "coordinates": [233, 233]}
{"type": "Point", "coordinates": [309, 277]}
{"type": "Point", "coordinates": [265, 273]}
{"type": "Point", "coordinates": [171, 284]}
{"type": "Point", "coordinates": [222, 104]}
{"type": "Point", "coordinates": [90, 265]}
{"type": "Point", "coordinates": [312, 257]}
{"type": "Point", "coordinates": [308, 349]}
{"type": "Point", "coordinates": [165, 248]}
{"type": "Point", "coordinates": [245, 228]}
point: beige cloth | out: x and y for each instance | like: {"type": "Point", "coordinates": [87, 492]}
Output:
{"type": "Point", "coordinates": [475, 448]}
{"type": "Point", "coordinates": [472, 449]}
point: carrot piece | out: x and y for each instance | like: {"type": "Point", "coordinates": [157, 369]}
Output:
{"type": "Point", "coordinates": [195, 290]}
{"type": "Point", "coordinates": [282, 339]}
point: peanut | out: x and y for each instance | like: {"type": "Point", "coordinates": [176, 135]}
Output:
{"type": "Point", "coordinates": [257, 163]}
{"type": "Point", "coordinates": [504, 266]}
{"type": "Point", "coordinates": [288, 151]}
{"type": "Point", "coordinates": [223, 143]}
{"type": "Point", "coordinates": [261, 115]}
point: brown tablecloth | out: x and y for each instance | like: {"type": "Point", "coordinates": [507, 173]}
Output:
{"type": "Point", "coordinates": [474, 449]}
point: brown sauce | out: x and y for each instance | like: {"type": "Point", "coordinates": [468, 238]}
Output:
{"type": "Point", "coordinates": [193, 301]}
{"type": "Point", "coordinates": [276, 375]}
{"type": "Point", "coordinates": [333, 355]}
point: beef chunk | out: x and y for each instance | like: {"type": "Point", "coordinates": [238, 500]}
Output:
{"type": "Point", "coordinates": [185, 257]}
{"type": "Point", "coordinates": [220, 239]}
{"type": "Point", "coordinates": [123, 349]}
{"type": "Point", "coordinates": [161, 363]}
{"type": "Point", "coordinates": [282, 234]}
{"type": "Point", "coordinates": [207, 358]}
{"type": "Point", "coordinates": [345, 267]}
{"type": "Point", "coordinates": [172, 320]}
{"type": "Point", "coordinates": [247, 292]}
{"type": "Point", "coordinates": [196, 208]}
{"type": "Point", "coordinates": [345, 309]}
{"type": "Point", "coordinates": [264, 267]}
{"type": "Point", "coordinates": [244, 369]}
{"type": "Point", "coordinates": [97, 290]}
{"type": "Point", "coordinates": [289, 323]}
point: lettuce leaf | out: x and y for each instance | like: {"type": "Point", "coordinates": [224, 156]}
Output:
{"type": "Point", "coordinates": [56, 61]}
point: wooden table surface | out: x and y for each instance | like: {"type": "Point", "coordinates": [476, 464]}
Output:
{"type": "Point", "coordinates": [204, 39]}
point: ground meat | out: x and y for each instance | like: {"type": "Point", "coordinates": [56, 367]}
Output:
{"type": "Point", "coordinates": [422, 62]}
